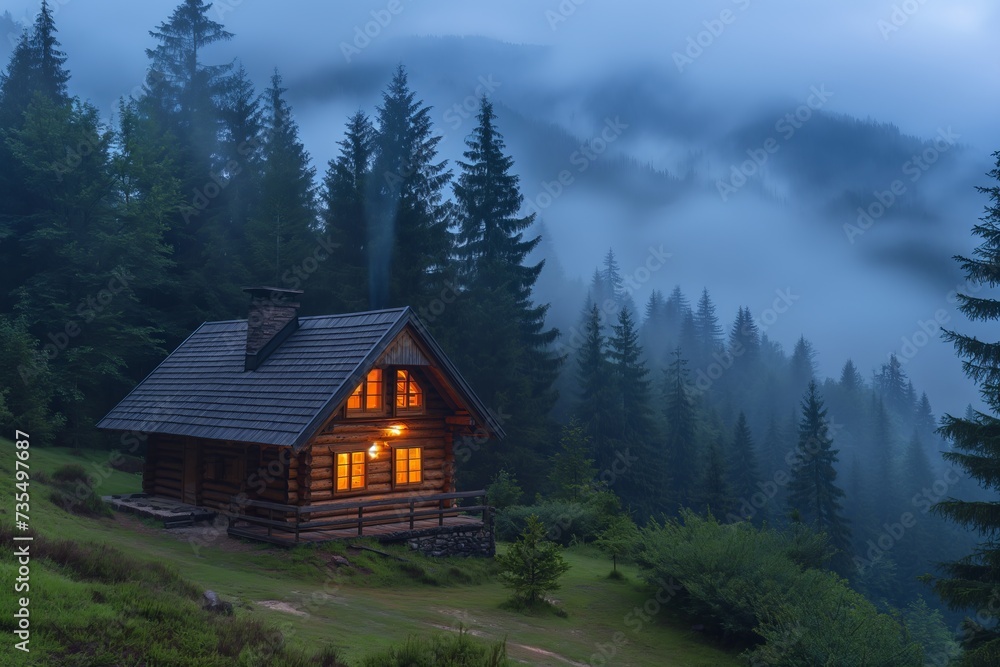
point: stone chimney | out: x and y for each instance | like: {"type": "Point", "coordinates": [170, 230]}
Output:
{"type": "Point", "coordinates": [273, 317]}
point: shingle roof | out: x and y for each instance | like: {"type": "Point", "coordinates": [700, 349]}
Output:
{"type": "Point", "coordinates": [202, 390]}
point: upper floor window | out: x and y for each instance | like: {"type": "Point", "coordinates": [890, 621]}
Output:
{"type": "Point", "coordinates": [367, 398]}
{"type": "Point", "coordinates": [409, 394]}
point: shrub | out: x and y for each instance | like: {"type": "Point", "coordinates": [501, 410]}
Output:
{"type": "Point", "coordinates": [565, 521]}
{"type": "Point", "coordinates": [441, 651]}
{"type": "Point", "coordinates": [504, 490]}
{"type": "Point", "coordinates": [74, 494]}
{"type": "Point", "coordinates": [748, 585]}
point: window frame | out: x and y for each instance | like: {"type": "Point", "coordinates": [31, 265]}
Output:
{"type": "Point", "coordinates": [418, 383]}
{"type": "Point", "coordinates": [350, 472]}
{"type": "Point", "coordinates": [363, 411]}
{"type": "Point", "coordinates": [408, 472]}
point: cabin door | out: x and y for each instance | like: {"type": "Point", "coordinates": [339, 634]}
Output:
{"type": "Point", "coordinates": [189, 482]}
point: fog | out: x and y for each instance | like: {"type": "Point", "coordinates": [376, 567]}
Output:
{"type": "Point", "coordinates": [731, 134]}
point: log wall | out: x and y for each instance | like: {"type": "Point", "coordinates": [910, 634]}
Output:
{"type": "Point", "coordinates": [429, 433]}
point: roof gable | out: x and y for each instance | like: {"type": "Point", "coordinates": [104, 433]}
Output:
{"type": "Point", "coordinates": [202, 390]}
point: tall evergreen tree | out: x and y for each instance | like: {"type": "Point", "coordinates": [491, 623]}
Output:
{"type": "Point", "coordinates": [345, 219]}
{"type": "Point", "coordinates": [510, 361]}
{"type": "Point", "coordinates": [595, 408]}
{"type": "Point", "coordinates": [282, 229]}
{"type": "Point", "coordinates": [972, 582]}
{"type": "Point", "coordinates": [181, 105]}
{"type": "Point", "coordinates": [713, 494]}
{"type": "Point", "coordinates": [241, 157]}
{"type": "Point", "coordinates": [645, 477]}
{"type": "Point", "coordinates": [408, 237]}
{"type": "Point", "coordinates": [813, 491]}
{"type": "Point", "coordinates": [743, 469]}
{"type": "Point", "coordinates": [36, 74]}
{"type": "Point", "coordinates": [709, 332]}
{"type": "Point", "coordinates": [681, 428]}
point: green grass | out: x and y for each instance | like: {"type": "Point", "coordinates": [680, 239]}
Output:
{"type": "Point", "coordinates": [360, 609]}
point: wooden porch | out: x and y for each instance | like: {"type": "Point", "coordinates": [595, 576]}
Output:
{"type": "Point", "coordinates": [390, 519]}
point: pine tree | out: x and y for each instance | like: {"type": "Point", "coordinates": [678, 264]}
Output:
{"type": "Point", "coordinates": [851, 381]}
{"type": "Point", "coordinates": [802, 367]}
{"type": "Point", "coordinates": [891, 382]}
{"type": "Point", "coordinates": [572, 472]}
{"type": "Point", "coordinates": [743, 470]}
{"type": "Point", "coordinates": [812, 490]}
{"type": "Point", "coordinates": [181, 109]}
{"type": "Point", "coordinates": [638, 430]}
{"type": "Point", "coordinates": [681, 424]}
{"type": "Point", "coordinates": [241, 157]}
{"type": "Point", "coordinates": [883, 453]}
{"type": "Point", "coordinates": [281, 230]}
{"type": "Point", "coordinates": [706, 324]}
{"type": "Point", "coordinates": [971, 582]}
{"type": "Point", "coordinates": [714, 494]}
{"type": "Point", "coordinates": [595, 408]}
{"type": "Point", "coordinates": [36, 75]}
{"type": "Point", "coordinates": [345, 219]}
{"type": "Point", "coordinates": [408, 237]}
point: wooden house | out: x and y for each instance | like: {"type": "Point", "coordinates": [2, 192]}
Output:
{"type": "Point", "coordinates": [307, 424]}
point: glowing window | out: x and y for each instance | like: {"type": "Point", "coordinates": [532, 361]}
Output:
{"type": "Point", "coordinates": [408, 467]}
{"type": "Point", "coordinates": [368, 395]}
{"type": "Point", "coordinates": [350, 471]}
{"type": "Point", "coordinates": [409, 395]}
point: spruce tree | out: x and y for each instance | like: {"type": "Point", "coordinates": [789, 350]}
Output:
{"type": "Point", "coordinates": [713, 495]}
{"type": "Point", "coordinates": [409, 240]}
{"type": "Point", "coordinates": [681, 428]}
{"type": "Point", "coordinates": [972, 582]}
{"type": "Point", "coordinates": [282, 230]}
{"type": "Point", "coordinates": [709, 332]}
{"type": "Point", "coordinates": [812, 491]}
{"type": "Point", "coordinates": [35, 75]}
{"type": "Point", "coordinates": [506, 345]}
{"type": "Point", "coordinates": [344, 218]}
{"type": "Point", "coordinates": [181, 107]}
{"type": "Point", "coordinates": [595, 407]}
{"type": "Point", "coordinates": [743, 470]}
{"type": "Point", "coordinates": [644, 476]}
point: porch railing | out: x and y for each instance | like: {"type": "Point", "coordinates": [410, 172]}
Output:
{"type": "Point", "coordinates": [362, 513]}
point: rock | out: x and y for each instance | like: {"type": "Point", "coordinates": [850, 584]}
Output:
{"type": "Point", "coordinates": [340, 561]}
{"type": "Point", "coordinates": [214, 603]}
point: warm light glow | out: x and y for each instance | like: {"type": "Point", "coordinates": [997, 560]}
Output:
{"type": "Point", "coordinates": [373, 450]}
{"type": "Point", "coordinates": [396, 429]}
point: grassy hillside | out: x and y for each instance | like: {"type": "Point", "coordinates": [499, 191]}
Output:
{"type": "Point", "coordinates": [301, 593]}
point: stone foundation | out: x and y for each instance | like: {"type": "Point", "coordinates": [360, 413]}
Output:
{"type": "Point", "coordinates": [456, 541]}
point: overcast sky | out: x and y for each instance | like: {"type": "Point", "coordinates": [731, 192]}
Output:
{"type": "Point", "coordinates": [923, 65]}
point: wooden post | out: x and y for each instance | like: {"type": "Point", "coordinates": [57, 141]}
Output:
{"type": "Point", "coordinates": [441, 512]}
{"type": "Point", "coordinates": [411, 513]}
{"type": "Point", "coordinates": [361, 510]}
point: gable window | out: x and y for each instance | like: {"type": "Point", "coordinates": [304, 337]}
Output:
{"type": "Point", "coordinates": [407, 466]}
{"type": "Point", "coordinates": [367, 398]}
{"type": "Point", "coordinates": [350, 471]}
{"type": "Point", "coordinates": [409, 394]}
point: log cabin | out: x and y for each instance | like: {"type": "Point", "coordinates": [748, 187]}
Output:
{"type": "Point", "coordinates": [301, 424]}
